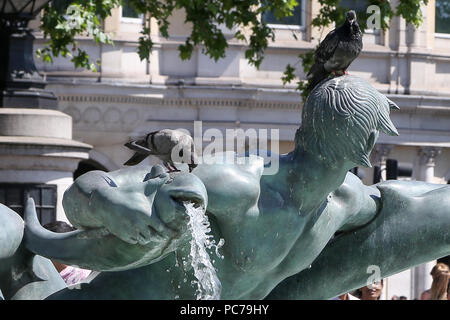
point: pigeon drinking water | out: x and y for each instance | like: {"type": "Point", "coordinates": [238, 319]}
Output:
{"type": "Point", "coordinates": [161, 144]}
{"type": "Point", "coordinates": [337, 51]}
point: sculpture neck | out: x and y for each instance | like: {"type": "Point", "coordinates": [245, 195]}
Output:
{"type": "Point", "coordinates": [312, 179]}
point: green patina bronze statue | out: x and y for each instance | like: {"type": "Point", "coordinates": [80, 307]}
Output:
{"type": "Point", "coordinates": [311, 231]}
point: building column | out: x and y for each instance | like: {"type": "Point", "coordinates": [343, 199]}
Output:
{"type": "Point", "coordinates": [425, 163]}
{"type": "Point", "coordinates": [380, 155]}
{"type": "Point", "coordinates": [426, 160]}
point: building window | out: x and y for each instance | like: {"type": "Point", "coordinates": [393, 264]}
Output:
{"type": "Point", "coordinates": [61, 5]}
{"type": "Point", "coordinates": [15, 195]}
{"type": "Point", "coordinates": [442, 21]}
{"type": "Point", "coordinates": [357, 5]}
{"type": "Point", "coordinates": [297, 19]}
{"type": "Point", "coordinates": [129, 12]}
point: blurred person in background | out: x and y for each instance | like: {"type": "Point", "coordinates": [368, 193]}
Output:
{"type": "Point", "coordinates": [371, 292]}
{"type": "Point", "coordinates": [448, 290]}
{"type": "Point", "coordinates": [346, 296]}
{"type": "Point", "coordinates": [71, 275]}
{"type": "Point", "coordinates": [439, 287]}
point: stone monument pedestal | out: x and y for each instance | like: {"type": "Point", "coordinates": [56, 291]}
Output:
{"type": "Point", "coordinates": [36, 148]}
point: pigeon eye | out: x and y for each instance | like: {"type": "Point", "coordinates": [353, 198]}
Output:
{"type": "Point", "coordinates": [181, 153]}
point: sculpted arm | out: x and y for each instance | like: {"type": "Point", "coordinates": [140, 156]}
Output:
{"type": "Point", "coordinates": [411, 228]}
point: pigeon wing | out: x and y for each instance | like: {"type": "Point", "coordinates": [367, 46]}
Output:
{"type": "Point", "coordinates": [327, 47]}
{"type": "Point", "coordinates": [163, 143]}
{"type": "Point", "coordinates": [138, 146]}
{"type": "Point", "coordinates": [325, 50]}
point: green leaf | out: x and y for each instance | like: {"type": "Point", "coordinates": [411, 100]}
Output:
{"type": "Point", "coordinates": [288, 74]}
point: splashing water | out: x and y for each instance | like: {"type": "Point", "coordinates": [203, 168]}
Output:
{"type": "Point", "coordinates": [208, 284]}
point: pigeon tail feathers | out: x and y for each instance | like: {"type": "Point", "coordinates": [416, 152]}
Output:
{"type": "Point", "coordinates": [135, 159]}
{"type": "Point", "coordinates": [318, 73]}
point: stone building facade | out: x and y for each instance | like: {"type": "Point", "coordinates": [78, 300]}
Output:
{"type": "Point", "coordinates": [128, 97]}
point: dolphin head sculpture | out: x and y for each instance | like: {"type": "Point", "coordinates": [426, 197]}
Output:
{"type": "Point", "coordinates": [121, 224]}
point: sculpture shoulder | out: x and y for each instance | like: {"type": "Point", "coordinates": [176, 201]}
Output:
{"type": "Point", "coordinates": [407, 188]}
{"type": "Point", "coordinates": [359, 204]}
{"type": "Point", "coordinates": [231, 185]}
{"type": "Point", "coordinates": [231, 167]}
{"type": "Point", "coordinates": [355, 202]}
{"type": "Point", "coordinates": [350, 192]}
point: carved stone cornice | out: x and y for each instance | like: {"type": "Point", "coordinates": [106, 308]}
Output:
{"type": "Point", "coordinates": [109, 116]}
{"type": "Point", "coordinates": [180, 102]}
{"type": "Point", "coordinates": [380, 152]}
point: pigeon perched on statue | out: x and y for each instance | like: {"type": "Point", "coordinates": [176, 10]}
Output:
{"type": "Point", "coordinates": [337, 51]}
{"type": "Point", "coordinates": [168, 145]}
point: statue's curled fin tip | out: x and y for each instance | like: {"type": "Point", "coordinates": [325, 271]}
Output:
{"type": "Point", "coordinates": [30, 215]}
{"type": "Point", "coordinates": [387, 126]}
{"type": "Point", "coordinates": [364, 161]}
{"type": "Point", "coordinates": [40, 240]}
{"type": "Point", "coordinates": [394, 132]}
{"type": "Point", "coordinates": [392, 105]}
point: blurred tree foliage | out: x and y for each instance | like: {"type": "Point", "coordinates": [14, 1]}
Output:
{"type": "Point", "coordinates": [84, 17]}
{"type": "Point", "coordinates": [63, 23]}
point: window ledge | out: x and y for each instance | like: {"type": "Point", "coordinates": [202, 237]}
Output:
{"type": "Point", "coordinates": [131, 20]}
{"type": "Point", "coordinates": [442, 35]}
{"type": "Point", "coordinates": [372, 31]}
{"type": "Point", "coordinates": [286, 27]}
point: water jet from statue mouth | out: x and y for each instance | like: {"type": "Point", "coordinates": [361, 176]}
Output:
{"type": "Point", "coordinates": [180, 198]}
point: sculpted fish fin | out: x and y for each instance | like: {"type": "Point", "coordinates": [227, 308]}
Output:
{"type": "Point", "coordinates": [41, 241]}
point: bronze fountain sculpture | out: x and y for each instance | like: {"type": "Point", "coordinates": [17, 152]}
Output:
{"type": "Point", "coordinates": [282, 232]}
{"type": "Point", "coordinates": [309, 231]}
